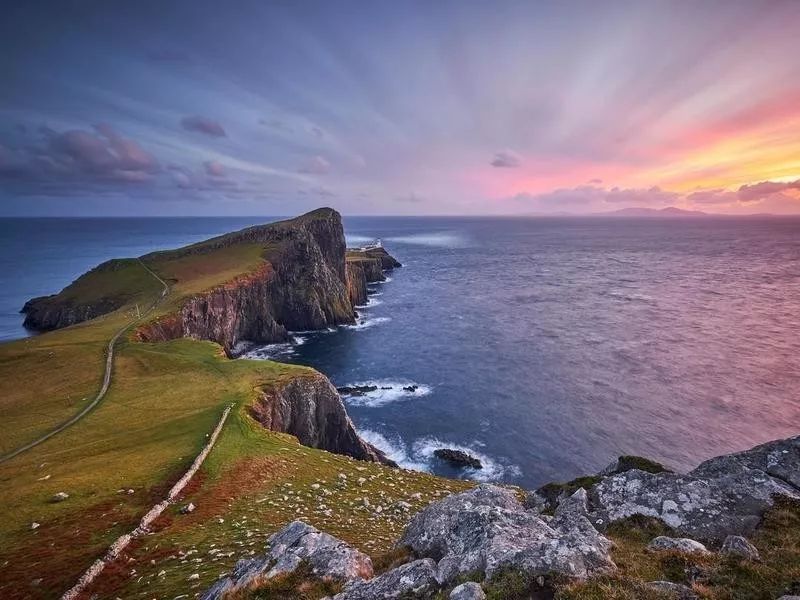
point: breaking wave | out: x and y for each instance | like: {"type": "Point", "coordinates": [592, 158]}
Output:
{"type": "Point", "coordinates": [419, 456]}
{"type": "Point", "coordinates": [366, 323]}
{"type": "Point", "coordinates": [387, 392]}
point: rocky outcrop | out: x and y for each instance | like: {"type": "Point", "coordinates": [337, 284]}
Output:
{"type": "Point", "coordinates": [293, 545]}
{"type": "Point", "coordinates": [416, 579]}
{"type": "Point", "coordinates": [726, 495]}
{"type": "Point", "coordinates": [70, 307]}
{"type": "Point", "coordinates": [309, 408]}
{"type": "Point", "coordinates": [388, 262]}
{"type": "Point", "coordinates": [457, 458]}
{"type": "Point", "coordinates": [302, 287]}
{"type": "Point", "coordinates": [486, 529]}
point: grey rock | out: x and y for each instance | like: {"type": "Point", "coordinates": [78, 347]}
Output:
{"type": "Point", "coordinates": [789, 598]}
{"type": "Point", "coordinates": [678, 591]}
{"type": "Point", "coordinates": [417, 577]}
{"type": "Point", "coordinates": [736, 545]}
{"type": "Point", "coordinates": [724, 496]}
{"type": "Point", "coordinates": [486, 529]}
{"type": "Point", "coordinates": [311, 409]}
{"type": "Point", "coordinates": [663, 542]}
{"type": "Point", "coordinates": [60, 497]}
{"type": "Point", "coordinates": [779, 459]}
{"type": "Point", "coordinates": [468, 591]}
{"type": "Point", "coordinates": [288, 548]}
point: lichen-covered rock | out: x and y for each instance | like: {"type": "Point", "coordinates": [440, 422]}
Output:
{"type": "Point", "coordinates": [663, 542]}
{"type": "Point", "coordinates": [416, 579]}
{"type": "Point", "coordinates": [486, 529]}
{"type": "Point", "coordinates": [676, 590]}
{"type": "Point", "coordinates": [779, 459]}
{"type": "Point", "coordinates": [309, 408]}
{"type": "Point", "coordinates": [468, 591]}
{"type": "Point", "coordinates": [737, 545]}
{"type": "Point", "coordinates": [726, 497]}
{"type": "Point", "coordinates": [328, 557]}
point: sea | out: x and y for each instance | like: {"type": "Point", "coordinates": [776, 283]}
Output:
{"type": "Point", "coordinates": [545, 347]}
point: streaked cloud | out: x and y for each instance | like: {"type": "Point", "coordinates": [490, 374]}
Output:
{"type": "Point", "coordinates": [203, 125]}
{"type": "Point", "coordinates": [316, 165]}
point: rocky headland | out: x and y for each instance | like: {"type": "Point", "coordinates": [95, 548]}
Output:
{"type": "Point", "coordinates": [263, 282]}
{"type": "Point", "coordinates": [306, 279]}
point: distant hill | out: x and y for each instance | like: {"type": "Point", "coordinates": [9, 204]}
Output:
{"type": "Point", "coordinates": [669, 212]}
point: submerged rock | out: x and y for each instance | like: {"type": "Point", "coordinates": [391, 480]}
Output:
{"type": "Point", "coordinates": [356, 390]}
{"type": "Point", "coordinates": [457, 458]}
{"type": "Point", "coordinates": [486, 529]}
{"type": "Point", "coordinates": [328, 557]}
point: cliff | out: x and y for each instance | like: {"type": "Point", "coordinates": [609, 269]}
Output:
{"type": "Point", "coordinates": [252, 285]}
{"type": "Point", "coordinates": [309, 408]}
{"type": "Point", "coordinates": [106, 288]}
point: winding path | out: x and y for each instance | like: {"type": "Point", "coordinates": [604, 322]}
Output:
{"type": "Point", "coordinates": [106, 376]}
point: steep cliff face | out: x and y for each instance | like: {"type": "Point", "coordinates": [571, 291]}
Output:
{"type": "Point", "coordinates": [309, 408]}
{"type": "Point", "coordinates": [360, 271]}
{"type": "Point", "coordinates": [46, 313]}
{"type": "Point", "coordinates": [302, 287]}
{"type": "Point", "coordinates": [356, 283]}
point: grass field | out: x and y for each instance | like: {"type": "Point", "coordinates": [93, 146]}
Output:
{"type": "Point", "coordinates": [164, 400]}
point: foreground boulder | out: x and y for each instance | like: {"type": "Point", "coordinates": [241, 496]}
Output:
{"type": "Point", "coordinates": [687, 545]}
{"type": "Point", "coordinates": [723, 496]}
{"type": "Point", "coordinates": [329, 557]}
{"type": "Point", "coordinates": [486, 529]}
{"type": "Point", "coordinates": [416, 579]}
{"type": "Point", "coordinates": [739, 546]}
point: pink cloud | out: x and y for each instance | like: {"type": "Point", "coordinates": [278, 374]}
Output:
{"type": "Point", "coordinates": [214, 168]}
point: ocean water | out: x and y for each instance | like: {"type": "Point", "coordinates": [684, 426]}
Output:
{"type": "Point", "coordinates": [546, 347]}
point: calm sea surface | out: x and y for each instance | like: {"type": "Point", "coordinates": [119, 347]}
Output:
{"type": "Point", "coordinates": [544, 346]}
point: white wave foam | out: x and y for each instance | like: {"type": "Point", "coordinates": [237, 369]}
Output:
{"type": "Point", "coordinates": [395, 451]}
{"type": "Point", "coordinates": [387, 392]}
{"type": "Point", "coordinates": [367, 323]}
{"type": "Point", "coordinates": [375, 293]}
{"type": "Point", "coordinates": [274, 351]}
{"type": "Point", "coordinates": [492, 470]}
{"type": "Point", "coordinates": [370, 303]}
{"type": "Point", "coordinates": [420, 456]}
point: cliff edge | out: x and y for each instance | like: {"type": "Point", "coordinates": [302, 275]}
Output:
{"type": "Point", "coordinates": [253, 285]}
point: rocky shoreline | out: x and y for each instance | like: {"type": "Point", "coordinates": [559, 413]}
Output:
{"type": "Point", "coordinates": [482, 533]}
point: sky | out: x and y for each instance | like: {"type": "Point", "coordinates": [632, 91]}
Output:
{"type": "Point", "coordinates": [394, 107]}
